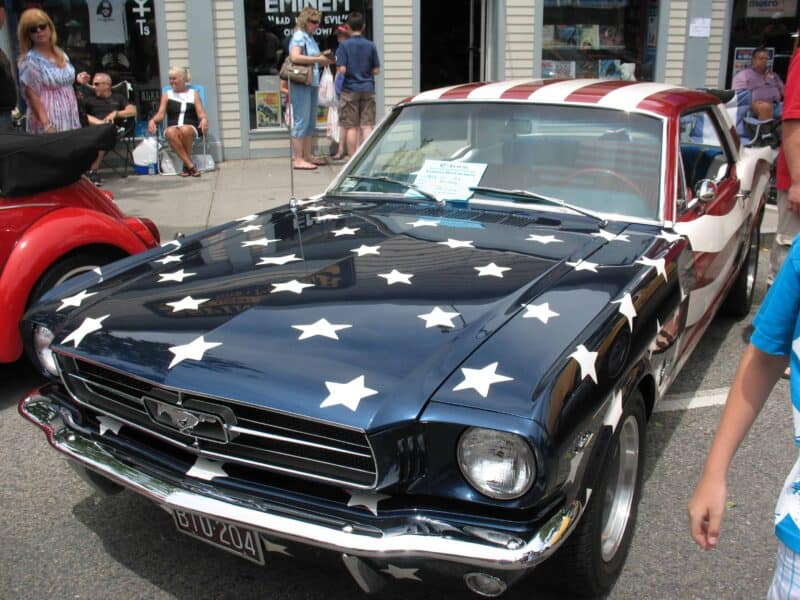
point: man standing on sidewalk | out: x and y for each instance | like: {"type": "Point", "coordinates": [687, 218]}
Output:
{"type": "Point", "coordinates": [8, 87]}
{"type": "Point", "coordinates": [358, 61]}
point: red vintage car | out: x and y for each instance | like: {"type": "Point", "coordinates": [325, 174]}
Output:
{"type": "Point", "coordinates": [50, 235]}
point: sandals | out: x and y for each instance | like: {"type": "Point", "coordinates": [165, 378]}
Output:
{"type": "Point", "coordinates": [190, 171]}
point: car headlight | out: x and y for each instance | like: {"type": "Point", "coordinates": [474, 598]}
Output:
{"type": "Point", "coordinates": [42, 338]}
{"type": "Point", "coordinates": [496, 463]}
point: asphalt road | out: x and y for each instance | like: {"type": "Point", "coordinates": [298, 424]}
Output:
{"type": "Point", "coordinates": [58, 539]}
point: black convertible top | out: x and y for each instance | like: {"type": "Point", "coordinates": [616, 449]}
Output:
{"type": "Point", "coordinates": [35, 163]}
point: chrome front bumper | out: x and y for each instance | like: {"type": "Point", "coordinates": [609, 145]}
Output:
{"type": "Point", "coordinates": [486, 550]}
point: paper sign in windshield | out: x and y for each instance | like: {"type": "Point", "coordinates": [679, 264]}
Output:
{"type": "Point", "coordinates": [449, 180]}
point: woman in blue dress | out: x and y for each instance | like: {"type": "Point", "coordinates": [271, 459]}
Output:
{"type": "Point", "coordinates": [45, 76]}
{"type": "Point", "coordinates": [304, 50]}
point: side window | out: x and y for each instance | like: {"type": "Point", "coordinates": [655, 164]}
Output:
{"type": "Point", "coordinates": [703, 152]}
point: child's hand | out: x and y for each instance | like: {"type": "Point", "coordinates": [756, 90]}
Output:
{"type": "Point", "coordinates": [706, 509]}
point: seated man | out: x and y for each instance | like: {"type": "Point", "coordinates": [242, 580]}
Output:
{"type": "Point", "coordinates": [104, 106]}
{"type": "Point", "coordinates": [765, 85]}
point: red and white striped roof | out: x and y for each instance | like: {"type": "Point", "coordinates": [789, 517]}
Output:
{"type": "Point", "coordinates": [659, 98]}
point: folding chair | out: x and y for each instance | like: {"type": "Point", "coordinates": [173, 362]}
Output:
{"type": "Point", "coordinates": [163, 146]}
{"type": "Point", "coordinates": [126, 130]}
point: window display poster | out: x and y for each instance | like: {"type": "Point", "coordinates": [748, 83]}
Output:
{"type": "Point", "coordinates": [268, 109]}
{"type": "Point", "coordinates": [282, 14]}
{"type": "Point", "coordinates": [589, 36]}
{"type": "Point", "coordinates": [558, 69]}
{"type": "Point", "coordinates": [742, 57]}
{"type": "Point", "coordinates": [609, 68]}
{"type": "Point", "coordinates": [770, 9]}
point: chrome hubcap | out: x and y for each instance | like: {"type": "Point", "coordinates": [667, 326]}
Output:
{"type": "Point", "coordinates": [752, 265]}
{"type": "Point", "coordinates": [620, 488]}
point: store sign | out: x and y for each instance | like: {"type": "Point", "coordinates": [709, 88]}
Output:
{"type": "Point", "coordinates": [142, 11]}
{"type": "Point", "coordinates": [334, 12]}
{"type": "Point", "coordinates": [768, 9]}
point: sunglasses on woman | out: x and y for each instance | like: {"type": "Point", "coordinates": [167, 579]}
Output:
{"type": "Point", "coordinates": [37, 28]}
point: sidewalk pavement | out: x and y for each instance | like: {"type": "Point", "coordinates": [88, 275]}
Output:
{"type": "Point", "coordinates": [235, 189]}
{"type": "Point", "coordinates": [238, 188]}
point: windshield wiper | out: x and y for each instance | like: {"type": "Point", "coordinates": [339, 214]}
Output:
{"type": "Point", "coordinates": [602, 222]}
{"type": "Point", "coordinates": [405, 184]}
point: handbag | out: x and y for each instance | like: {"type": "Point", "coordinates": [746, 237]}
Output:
{"type": "Point", "coordinates": [302, 74]}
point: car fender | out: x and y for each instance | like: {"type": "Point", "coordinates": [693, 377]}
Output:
{"type": "Point", "coordinates": [42, 244]}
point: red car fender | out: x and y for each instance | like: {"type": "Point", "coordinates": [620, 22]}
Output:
{"type": "Point", "coordinates": [42, 244]}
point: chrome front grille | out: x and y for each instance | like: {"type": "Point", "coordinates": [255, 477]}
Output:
{"type": "Point", "coordinates": [236, 433]}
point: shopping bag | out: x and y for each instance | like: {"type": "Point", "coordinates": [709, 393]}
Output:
{"type": "Point", "coordinates": [332, 129]}
{"type": "Point", "coordinates": [146, 152]}
{"type": "Point", "coordinates": [167, 163]}
{"type": "Point", "coordinates": [203, 162]}
{"type": "Point", "coordinates": [327, 92]}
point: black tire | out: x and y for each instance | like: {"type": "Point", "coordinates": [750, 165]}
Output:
{"type": "Point", "coordinates": [740, 297]}
{"type": "Point", "coordinates": [591, 559]}
{"type": "Point", "coordinates": [69, 266]}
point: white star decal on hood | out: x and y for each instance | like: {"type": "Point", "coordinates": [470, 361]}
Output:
{"type": "Point", "coordinates": [259, 242]}
{"type": "Point", "coordinates": [75, 300]}
{"type": "Point", "coordinates": [481, 380]}
{"type": "Point", "coordinates": [348, 394]}
{"type": "Point", "coordinates": [439, 317]}
{"type": "Point", "coordinates": [321, 328]}
{"type": "Point", "coordinates": [247, 218]}
{"type": "Point", "coordinates": [586, 360]}
{"type": "Point", "coordinates": [539, 311]}
{"type": "Point", "coordinates": [344, 231]}
{"type": "Point", "coordinates": [451, 243]}
{"type": "Point", "coordinates": [543, 239]}
{"type": "Point", "coordinates": [491, 270]}
{"type": "Point", "coordinates": [670, 237]}
{"type": "Point", "coordinates": [187, 303]}
{"type": "Point", "coordinates": [611, 237]}
{"type": "Point", "coordinates": [178, 276]}
{"type": "Point", "coordinates": [293, 286]}
{"type": "Point", "coordinates": [363, 250]}
{"type": "Point", "coordinates": [88, 326]}
{"type": "Point", "coordinates": [583, 265]}
{"type": "Point", "coordinates": [193, 350]}
{"type": "Point", "coordinates": [396, 276]}
{"type": "Point", "coordinates": [248, 228]}
{"type": "Point", "coordinates": [277, 260]}
{"type": "Point", "coordinates": [658, 263]}
{"type": "Point", "coordinates": [170, 258]}
{"type": "Point", "coordinates": [627, 308]}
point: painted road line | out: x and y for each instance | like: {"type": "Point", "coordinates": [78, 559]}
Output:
{"type": "Point", "coordinates": [706, 398]}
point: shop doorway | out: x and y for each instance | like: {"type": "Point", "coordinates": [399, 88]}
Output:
{"type": "Point", "coordinates": [453, 42]}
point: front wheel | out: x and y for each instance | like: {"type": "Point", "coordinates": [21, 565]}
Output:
{"type": "Point", "coordinates": [72, 265]}
{"type": "Point", "coordinates": [740, 297]}
{"type": "Point", "coordinates": [589, 562]}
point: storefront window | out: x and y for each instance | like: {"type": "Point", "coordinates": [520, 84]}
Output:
{"type": "Point", "coordinates": [609, 39]}
{"type": "Point", "coordinates": [117, 37]}
{"type": "Point", "coordinates": [269, 25]}
{"type": "Point", "coordinates": [762, 23]}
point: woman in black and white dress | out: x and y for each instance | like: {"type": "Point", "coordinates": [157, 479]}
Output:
{"type": "Point", "coordinates": [186, 119]}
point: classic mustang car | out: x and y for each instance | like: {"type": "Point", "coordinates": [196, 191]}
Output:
{"type": "Point", "coordinates": [443, 366]}
{"type": "Point", "coordinates": [54, 224]}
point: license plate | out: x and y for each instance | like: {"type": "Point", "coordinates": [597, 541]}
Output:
{"type": "Point", "coordinates": [233, 538]}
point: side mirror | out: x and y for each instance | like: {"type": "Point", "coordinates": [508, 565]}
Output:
{"type": "Point", "coordinates": [705, 190]}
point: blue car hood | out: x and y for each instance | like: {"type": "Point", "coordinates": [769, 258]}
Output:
{"type": "Point", "coordinates": [389, 357]}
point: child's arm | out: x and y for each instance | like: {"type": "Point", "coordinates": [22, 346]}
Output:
{"type": "Point", "coordinates": [755, 378]}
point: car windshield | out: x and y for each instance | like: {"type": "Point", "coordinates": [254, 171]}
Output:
{"type": "Point", "coordinates": [602, 160]}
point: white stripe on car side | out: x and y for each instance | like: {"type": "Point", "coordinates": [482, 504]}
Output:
{"type": "Point", "coordinates": [629, 97]}
{"type": "Point", "coordinates": [710, 233]}
{"type": "Point", "coordinates": [701, 298]}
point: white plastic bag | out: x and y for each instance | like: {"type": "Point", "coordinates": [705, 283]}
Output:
{"type": "Point", "coordinates": [327, 91]}
{"type": "Point", "coordinates": [146, 152]}
{"type": "Point", "coordinates": [332, 129]}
